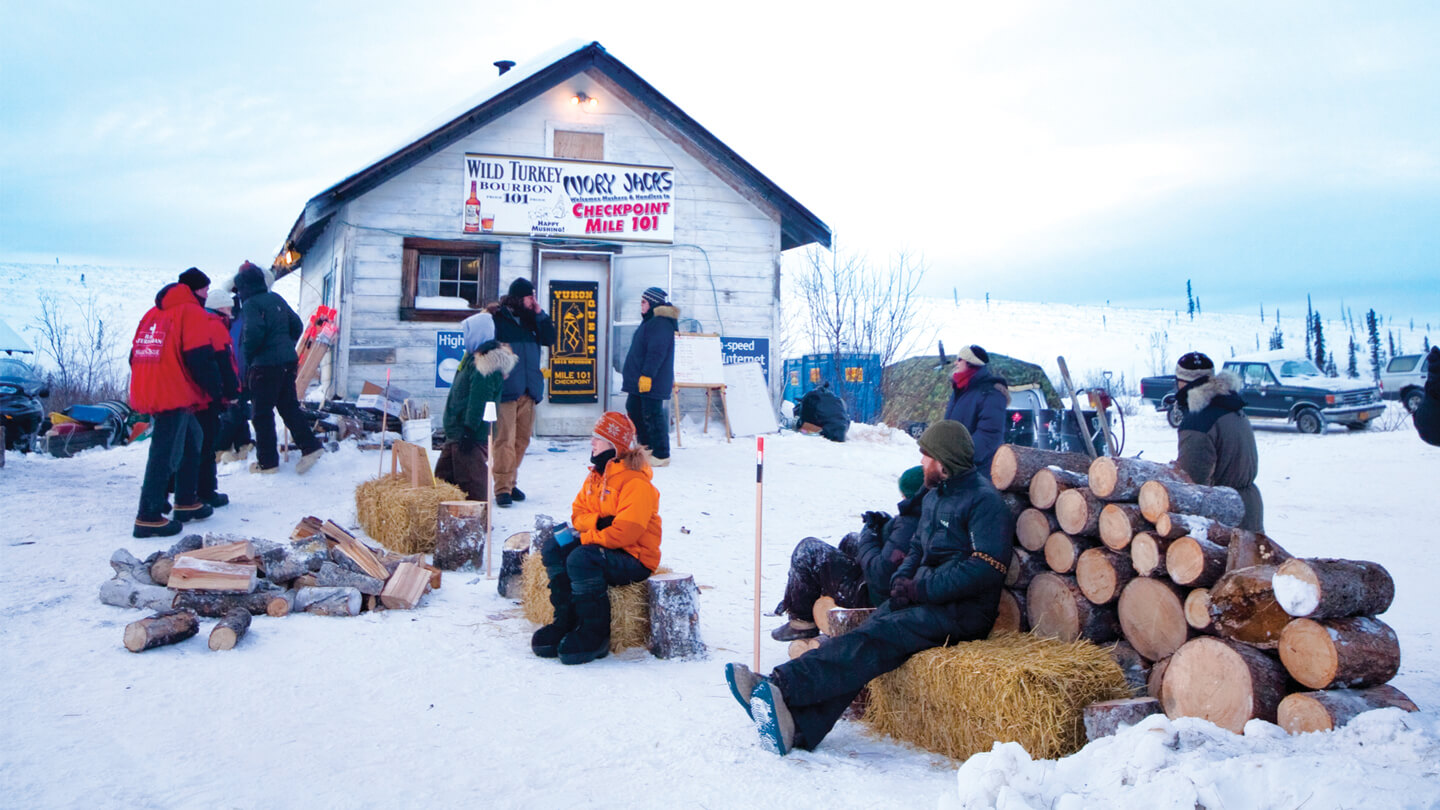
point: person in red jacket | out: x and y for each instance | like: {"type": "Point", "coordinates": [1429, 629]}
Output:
{"type": "Point", "coordinates": [613, 539]}
{"type": "Point", "coordinates": [218, 335]}
{"type": "Point", "coordinates": [172, 373]}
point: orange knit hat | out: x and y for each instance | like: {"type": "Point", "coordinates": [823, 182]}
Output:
{"type": "Point", "coordinates": [616, 428]}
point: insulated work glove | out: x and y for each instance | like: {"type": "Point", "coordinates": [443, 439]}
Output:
{"type": "Point", "coordinates": [875, 521]}
{"type": "Point", "coordinates": [902, 593]}
{"type": "Point", "coordinates": [603, 522]}
{"type": "Point", "coordinates": [644, 385]}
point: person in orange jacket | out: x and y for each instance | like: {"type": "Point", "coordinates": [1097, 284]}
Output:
{"type": "Point", "coordinates": [613, 539]}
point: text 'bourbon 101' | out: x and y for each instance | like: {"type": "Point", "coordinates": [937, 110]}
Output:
{"type": "Point", "coordinates": [472, 211]}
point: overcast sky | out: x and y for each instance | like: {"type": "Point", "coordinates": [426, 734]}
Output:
{"type": "Point", "coordinates": [1083, 152]}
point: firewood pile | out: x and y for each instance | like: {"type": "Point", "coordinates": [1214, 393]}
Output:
{"type": "Point", "coordinates": [1207, 619]}
{"type": "Point", "coordinates": [322, 569]}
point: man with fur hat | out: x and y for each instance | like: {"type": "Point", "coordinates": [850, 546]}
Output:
{"type": "Point", "coordinates": [522, 325]}
{"type": "Point", "coordinates": [465, 459]}
{"type": "Point", "coordinates": [947, 590]}
{"type": "Point", "coordinates": [857, 574]}
{"type": "Point", "coordinates": [1217, 444]}
{"type": "Point", "coordinates": [613, 539]}
{"type": "Point", "coordinates": [649, 373]}
{"type": "Point", "coordinates": [978, 398]}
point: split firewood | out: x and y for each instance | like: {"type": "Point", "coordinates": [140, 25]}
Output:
{"type": "Point", "coordinates": [304, 581]}
{"type": "Point", "coordinates": [189, 573]}
{"type": "Point", "coordinates": [1102, 574]}
{"type": "Point", "coordinates": [1223, 681]}
{"type": "Point", "coordinates": [1034, 527]}
{"type": "Point", "coordinates": [1010, 613]}
{"type": "Point", "coordinates": [1175, 525]}
{"type": "Point", "coordinates": [309, 526]}
{"type": "Point", "coordinates": [1147, 554]}
{"type": "Point", "coordinates": [674, 616]}
{"type": "Point", "coordinates": [1024, 565]}
{"type": "Point", "coordinates": [1194, 562]}
{"type": "Point", "coordinates": [189, 542]}
{"type": "Point", "coordinates": [358, 552]}
{"type": "Point", "coordinates": [230, 629]}
{"type": "Point", "coordinates": [1047, 484]}
{"type": "Point", "coordinates": [1217, 503]}
{"type": "Point", "coordinates": [1119, 522]}
{"type": "Point", "coordinates": [1062, 551]}
{"type": "Point", "coordinates": [1326, 588]}
{"type": "Point", "coordinates": [1197, 610]}
{"type": "Point", "coordinates": [405, 587]}
{"type": "Point", "coordinates": [1057, 609]}
{"type": "Point", "coordinates": [125, 592]}
{"type": "Point", "coordinates": [241, 552]}
{"type": "Point", "coordinates": [1300, 712]}
{"type": "Point", "coordinates": [331, 575]}
{"type": "Point", "coordinates": [1152, 617]}
{"type": "Point", "coordinates": [214, 604]}
{"type": "Point", "coordinates": [1078, 511]}
{"type": "Point", "coordinates": [1106, 717]}
{"type": "Point", "coordinates": [1013, 466]}
{"type": "Point", "coordinates": [165, 627]}
{"type": "Point", "coordinates": [328, 601]}
{"type": "Point", "coordinates": [460, 535]}
{"type": "Point", "coordinates": [512, 565]}
{"type": "Point", "coordinates": [1351, 651]}
{"type": "Point", "coordinates": [1249, 548]}
{"type": "Point", "coordinates": [1120, 479]}
{"type": "Point", "coordinates": [127, 566]}
{"type": "Point", "coordinates": [301, 557]}
{"type": "Point", "coordinates": [1134, 666]}
{"type": "Point", "coordinates": [1243, 607]}
{"type": "Point", "coordinates": [841, 620]}
{"type": "Point", "coordinates": [800, 646]}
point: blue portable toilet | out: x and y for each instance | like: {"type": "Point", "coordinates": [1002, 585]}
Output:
{"type": "Point", "coordinates": [853, 376]}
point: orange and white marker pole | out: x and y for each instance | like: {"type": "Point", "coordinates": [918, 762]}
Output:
{"type": "Point", "coordinates": [759, 500]}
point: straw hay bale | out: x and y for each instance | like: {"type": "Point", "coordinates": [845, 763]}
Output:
{"type": "Point", "coordinates": [399, 516]}
{"type": "Point", "coordinates": [629, 605]}
{"type": "Point", "coordinates": [961, 700]}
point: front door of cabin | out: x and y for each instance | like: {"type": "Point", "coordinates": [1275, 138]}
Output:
{"type": "Point", "coordinates": [575, 289]}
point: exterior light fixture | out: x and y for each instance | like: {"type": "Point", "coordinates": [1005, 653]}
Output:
{"type": "Point", "coordinates": [584, 102]}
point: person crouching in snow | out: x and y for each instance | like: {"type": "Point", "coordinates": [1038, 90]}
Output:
{"type": "Point", "coordinates": [613, 539]}
{"type": "Point", "coordinates": [856, 575]}
{"type": "Point", "coordinates": [465, 459]}
{"type": "Point", "coordinates": [946, 591]}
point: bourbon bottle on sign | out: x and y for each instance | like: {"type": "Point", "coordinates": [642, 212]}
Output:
{"type": "Point", "coordinates": [472, 211]}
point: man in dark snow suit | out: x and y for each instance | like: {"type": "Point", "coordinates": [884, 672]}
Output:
{"type": "Point", "coordinates": [946, 591]}
{"type": "Point", "coordinates": [1427, 416]}
{"type": "Point", "coordinates": [977, 400]}
{"type": "Point", "coordinates": [1217, 444]}
{"type": "Point", "coordinates": [268, 343]}
{"type": "Point", "coordinates": [649, 374]}
{"type": "Point", "coordinates": [857, 574]}
{"type": "Point", "coordinates": [522, 325]}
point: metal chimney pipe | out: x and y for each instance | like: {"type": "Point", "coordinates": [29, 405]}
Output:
{"type": "Point", "coordinates": [504, 65]}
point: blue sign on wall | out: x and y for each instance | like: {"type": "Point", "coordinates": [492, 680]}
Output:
{"type": "Point", "coordinates": [449, 351]}
{"type": "Point", "coordinates": [746, 350]}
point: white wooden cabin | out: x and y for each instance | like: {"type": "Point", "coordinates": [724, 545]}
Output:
{"type": "Point", "coordinates": [401, 252]}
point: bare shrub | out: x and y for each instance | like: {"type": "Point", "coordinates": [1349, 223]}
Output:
{"type": "Point", "coordinates": [1395, 417]}
{"type": "Point", "coordinates": [845, 304]}
{"type": "Point", "coordinates": [81, 348]}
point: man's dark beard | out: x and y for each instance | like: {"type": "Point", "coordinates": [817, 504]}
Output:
{"type": "Point", "coordinates": [933, 479]}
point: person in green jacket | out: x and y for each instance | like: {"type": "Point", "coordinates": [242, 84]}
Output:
{"type": "Point", "coordinates": [465, 459]}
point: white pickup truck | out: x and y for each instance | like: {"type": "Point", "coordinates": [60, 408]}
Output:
{"type": "Point", "coordinates": [1403, 378]}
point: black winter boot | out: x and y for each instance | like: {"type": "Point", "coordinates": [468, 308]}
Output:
{"type": "Point", "coordinates": [546, 641]}
{"type": "Point", "coordinates": [591, 639]}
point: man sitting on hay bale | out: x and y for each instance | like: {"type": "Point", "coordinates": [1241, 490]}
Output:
{"type": "Point", "coordinates": [946, 591]}
{"type": "Point", "coordinates": [616, 519]}
{"type": "Point", "coordinates": [856, 575]}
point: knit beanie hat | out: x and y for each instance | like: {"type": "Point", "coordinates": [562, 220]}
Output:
{"type": "Point", "coordinates": [911, 481]}
{"type": "Point", "coordinates": [655, 296]}
{"type": "Point", "coordinates": [974, 355]}
{"type": "Point", "coordinates": [949, 443]}
{"type": "Point", "coordinates": [479, 328]}
{"type": "Point", "coordinates": [521, 287]}
{"type": "Point", "coordinates": [616, 428]}
{"type": "Point", "coordinates": [194, 279]}
{"type": "Point", "coordinates": [1194, 366]}
{"type": "Point", "coordinates": [221, 295]}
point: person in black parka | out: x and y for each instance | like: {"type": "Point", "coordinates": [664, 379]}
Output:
{"type": "Point", "coordinates": [946, 591]}
{"type": "Point", "coordinates": [1427, 416]}
{"type": "Point", "coordinates": [978, 398]}
{"type": "Point", "coordinates": [267, 341]}
{"type": "Point", "coordinates": [522, 325]}
{"type": "Point", "coordinates": [649, 374]}
{"type": "Point", "coordinates": [1216, 443]}
{"type": "Point", "coordinates": [823, 409]}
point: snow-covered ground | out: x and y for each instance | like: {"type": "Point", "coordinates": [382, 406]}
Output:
{"type": "Point", "coordinates": [446, 706]}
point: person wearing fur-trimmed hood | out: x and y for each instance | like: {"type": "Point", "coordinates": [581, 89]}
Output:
{"type": "Point", "coordinates": [649, 373]}
{"type": "Point", "coordinates": [465, 458]}
{"type": "Point", "coordinates": [1217, 444]}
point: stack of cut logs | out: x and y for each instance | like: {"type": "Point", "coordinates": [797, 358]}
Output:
{"type": "Point", "coordinates": [1207, 619]}
{"type": "Point", "coordinates": [323, 569]}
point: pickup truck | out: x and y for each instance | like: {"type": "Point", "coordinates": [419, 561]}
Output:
{"type": "Point", "coordinates": [1404, 379]}
{"type": "Point", "coordinates": [1276, 385]}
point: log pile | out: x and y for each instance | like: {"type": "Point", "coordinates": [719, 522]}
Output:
{"type": "Point", "coordinates": [321, 569]}
{"type": "Point", "coordinates": [1210, 620]}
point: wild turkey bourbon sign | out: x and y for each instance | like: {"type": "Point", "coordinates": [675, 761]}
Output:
{"type": "Point", "coordinates": [573, 373]}
{"type": "Point", "coordinates": [520, 196]}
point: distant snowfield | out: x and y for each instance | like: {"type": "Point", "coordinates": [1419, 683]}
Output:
{"type": "Point", "coordinates": [446, 706]}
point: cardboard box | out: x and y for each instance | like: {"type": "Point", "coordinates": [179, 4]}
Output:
{"type": "Point", "coordinates": [376, 398]}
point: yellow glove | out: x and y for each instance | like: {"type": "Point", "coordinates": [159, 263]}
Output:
{"type": "Point", "coordinates": [644, 385]}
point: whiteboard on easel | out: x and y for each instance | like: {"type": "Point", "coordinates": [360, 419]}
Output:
{"type": "Point", "coordinates": [747, 400]}
{"type": "Point", "coordinates": [697, 359]}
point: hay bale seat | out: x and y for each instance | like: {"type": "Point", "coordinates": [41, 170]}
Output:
{"type": "Point", "coordinates": [629, 605]}
{"type": "Point", "coordinates": [961, 700]}
{"type": "Point", "coordinates": [400, 516]}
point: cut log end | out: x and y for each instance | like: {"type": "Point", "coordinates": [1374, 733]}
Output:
{"type": "Point", "coordinates": [1300, 712]}
{"type": "Point", "coordinates": [1227, 683]}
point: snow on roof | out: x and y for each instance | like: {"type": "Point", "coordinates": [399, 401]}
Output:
{"type": "Point", "coordinates": [10, 340]}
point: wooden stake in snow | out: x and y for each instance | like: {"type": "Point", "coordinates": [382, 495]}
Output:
{"type": "Point", "coordinates": [759, 500]}
{"type": "Point", "coordinates": [489, 417]}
